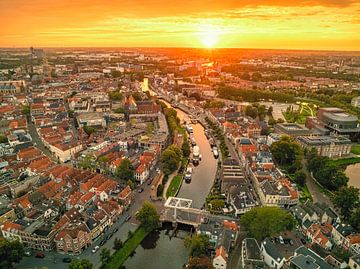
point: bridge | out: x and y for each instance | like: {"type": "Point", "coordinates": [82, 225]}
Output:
{"type": "Point", "coordinates": [179, 211]}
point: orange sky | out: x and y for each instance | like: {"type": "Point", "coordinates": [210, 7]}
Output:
{"type": "Point", "coordinates": [292, 24]}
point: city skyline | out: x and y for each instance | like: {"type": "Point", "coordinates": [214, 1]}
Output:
{"type": "Point", "coordinates": [315, 25]}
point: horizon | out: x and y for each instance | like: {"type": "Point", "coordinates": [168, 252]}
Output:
{"type": "Point", "coordinates": [328, 25]}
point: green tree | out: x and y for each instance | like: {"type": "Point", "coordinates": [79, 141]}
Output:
{"type": "Point", "coordinates": [105, 255]}
{"type": "Point", "coordinates": [170, 159]}
{"type": "Point", "coordinates": [118, 244]}
{"type": "Point", "coordinates": [347, 199]}
{"type": "Point", "coordinates": [125, 170]}
{"type": "Point", "coordinates": [115, 96]}
{"type": "Point", "coordinates": [80, 264]}
{"type": "Point", "coordinates": [137, 96]}
{"type": "Point", "coordinates": [217, 204]}
{"type": "Point", "coordinates": [26, 110]}
{"type": "Point", "coordinates": [300, 178]}
{"type": "Point", "coordinates": [131, 184]}
{"type": "Point", "coordinates": [185, 148]}
{"type": "Point", "coordinates": [119, 110]}
{"type": "Point", "coordinates": [3, 139]}
{"type": "Point", "coordinates": [285, 151]}
{"type": "Point", "coordinates": [148, 216]}
{"type": "Point", "coordinates": [10, 252]}
{"type": "Point", "coordinates": [262, 222]}
{"type": "Point", "coordinates": [202, 262]}
{"type": "Point", "coordinates": [197, 244]}
{"type": "Point", "coordinates": [89, 130]}
{"type": "Point", "coordinates": [355, 219]}
{"type": "Point", "coordinates": [88, 162]}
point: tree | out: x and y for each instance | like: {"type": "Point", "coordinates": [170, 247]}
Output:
{"type": "Point", "coordinates": [118, 244]}
{"type": "Point", "coordinates": [148, 216]}
{"type": "Point", "coordinates": [197, 244]}
{"type": "Point", "coordinates": [202, 262]}
{"type": "Point", "coordinates": [115, 96]}
{"type": "Point", "coordinates": [80, 264]}
{"type": "Point", "coordinates": [89, 130]}
{"type": "Point", "coordinates": [105, 255]}
{"type": "Point", "coordinates": [355, 219]}
{"type": "Point", "coordinates": [131, 184]}
{"type": "Point", "coordinates": [88, 162]}
{"type": "Point", "coordinates": [285, 151]}
{"type": "Point", "coordinates": [185, 148]}
{"type": "Point", "coordinates": [3, 139]}
{"type": "Point", "coordinates": [217, 204]}
{"type": "Point", "coordinates": [125, 170]}
{"type": "Point", "coordinates": [300, 178]}
{"type": "Point", "coordinates": [10, 252]}
{"type": "Point", "coordinates": [170, 159]}
{"type": "Point", "coordinates": [119, 110]}
{"type": "Point", "coordinates": [347, 199]}
{"type": "Point", "coordinates": [137, 96]}
{"type": "Point", "coordinates": [262, 222]}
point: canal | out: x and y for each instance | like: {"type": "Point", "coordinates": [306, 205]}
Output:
{"type": "Point", "coordinates": [203, 174]}
{"type": "Point", "coordinates": [159, 250]}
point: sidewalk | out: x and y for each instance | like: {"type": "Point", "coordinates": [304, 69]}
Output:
{"type": "Point", "coordinates": [168, 183]}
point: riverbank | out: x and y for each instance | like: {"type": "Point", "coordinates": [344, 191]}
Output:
{"type": "Point", "coordinates": [120, 256]}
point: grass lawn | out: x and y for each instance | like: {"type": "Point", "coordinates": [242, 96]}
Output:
{"type": "Point", "coordinates": [120, 256]}
{"type": "Point", "coordinates": [174, 185]}
{"type": "Point", "coordinates": [345, 162]}
{"type": "Point", "coordinates": [355, 149]}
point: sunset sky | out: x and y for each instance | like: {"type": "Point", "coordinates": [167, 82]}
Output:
{"type": "Point", "coordinates": [292, 24]}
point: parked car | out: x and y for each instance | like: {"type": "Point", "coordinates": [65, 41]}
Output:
{"type": "Point", "coordinates": [40, 255]}
{"type": "Point", "coordinates": [96, 248]}
{"type": "Point", "coordinates": [303, 241]}
{"type": "Point", "coordinates": [67, 260]}
{"type": "Point", "coordinates": [109, 236]}
{"type": "Point", "coordinates": [102, 242]}
{"type": "Point", "coordinates": [27, 253]}
{"type": "Point", "coordinates": [115, 230]}
{"type": "Point", "coordinates": [128, 218]}
{"type": "Point", "coordinates": [140, 190]}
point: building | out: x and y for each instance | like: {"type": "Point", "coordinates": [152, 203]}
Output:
{"type": "Point", "coordinates": [271, 256]}
{"type": "Point", "coordinates": [328, 146]}
{"type": "Point", "coordinates": [335, 121]}
{"type": "Point", "coordinates": [251, 254]}
{"type": "Point", "coordinates": [73, 239]}
{"type": "Point", "coordinates": [12, 87]}
{"type": "Point", "coordinates": [354, 262]}
{"type": "Point", "coordinates": [291, 129]}
{"type": "Point", "coordinates": [305, 258]}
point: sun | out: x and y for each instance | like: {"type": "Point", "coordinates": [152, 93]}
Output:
{"type": "Point", "coordinates": [210, 39]}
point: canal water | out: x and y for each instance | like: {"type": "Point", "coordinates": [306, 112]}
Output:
{"type": "Point", "coordinates": [160, 251]}
{"type": "Point", "coordinates": [353, 173]}
{"type": "Point", "coordinates": [203, 174]}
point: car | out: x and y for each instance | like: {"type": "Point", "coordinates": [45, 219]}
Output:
{"type": "Point", "coordinates": [67, 260]}
{"type": "Point", "coordinates": [158, 170]}
{"type": "Point", "coordinates": [115, 230]}
{"type": "Point", "coordinates": [128, 218]}
{"type": "Point", "coordinates": [40, 255]}
{"type": "Point", "coordinates": [102, 242]}
{"type": "Point", "coordinates": [109, 236]}
{"type": "Point", "coordinates": [149, 182]}
{"type": "Point", "coordinates": [27, 253]}
{"type": "Point", "coordinates": [303, 241]}
{"type": "Point", "coordinates": [291, 242]}
{"type": "Point", "coordinates": [96, 248]}
{"type": "Point", "coordinates": [140, 190]}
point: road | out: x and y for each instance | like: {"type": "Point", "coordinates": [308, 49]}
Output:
{"type": "Point", "coordinates": [39, 144]}
{"type": "Point", "coordinates": [317, 195]}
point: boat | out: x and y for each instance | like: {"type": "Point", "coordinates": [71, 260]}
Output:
{"type": "Point", "coordinates": [189, 128]}
{"type": "Point", "coordinates": [188, 174]}
{"type": "Point", "coordinates": [196, 155]}
{"type": "Point", "coordinates": [192, 140]}
{"type": "Point", "coordinates": [215, 152]}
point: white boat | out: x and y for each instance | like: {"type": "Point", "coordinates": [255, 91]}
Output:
{"type": "Point", "coordinates": [189, 128]}
{"type": "Point", "coordinates": [215, 152]}
{"type": "Point", "coordinates": [196, 154]}
{"type": "Point", "coordinates": [188, 174]}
